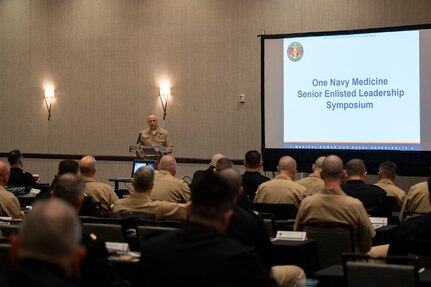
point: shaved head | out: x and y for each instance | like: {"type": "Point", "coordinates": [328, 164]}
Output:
{"type": "Point", "coordinates": [87, 165]}
{"type": "Point", "coordinates": [319, 161]}
{"type": "Point", "coordinates": [286, 163]}
{"type": "Point", "coordinates": [215, 159]}
{"type": "Point", "coordinates": [168, 163]}
{"type": "Point", "coordinates": [233, 178]}
{"type": "Point", "coordinates": [4, 173]}
{"type": "Point", "coordinates": [332, 167]}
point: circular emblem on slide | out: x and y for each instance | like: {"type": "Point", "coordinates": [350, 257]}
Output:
{"type": "Point", "coordinates": [295, 51]}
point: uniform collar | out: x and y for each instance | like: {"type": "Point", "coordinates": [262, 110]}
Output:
{"type": "Point", "coordinates": [140, 195]}
{"type": "Point", "coordinates": [283, 177]}
{"type": "Point", "coordinates": [164, 172]}
{"type": "Point", "coordinates": [386, 180]}
{"type": "Point", "coordinates": [336, 191]}
{"type": "Point", "coordinates": [87, 179]}
{"type": "Point", "coordinates": [316, 175]}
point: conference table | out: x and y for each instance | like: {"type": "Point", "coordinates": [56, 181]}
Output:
{"type": "Point", "coordinates": [300, 253]}
{"type": "Point", "coordinates": [287, 252]}
{"type": "Point", "coordinates": [333, 276]}
{"type": "Point", "coordinates": [117, 182]}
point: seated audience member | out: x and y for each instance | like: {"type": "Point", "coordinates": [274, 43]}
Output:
{"type": "Point", "coordinates": [201, 173]}
{"type": "Point", "coordinates": [313, 183]}
{"type": "Point", "coordinates": [222, 164]}
{"type": "Point", "coordinates": [88, 207]}
{"type": "Point", "coordinates": [332, 205]}
{"type": "Point", "coordinates": [387, 175]}
{"type": "Point", "coordinates": [9, 204]}
{"type": "Point", "coordinates": [249, 229]}
{"type": "Point", "coordinates": [19, 177]}
{"type": "Point", "coordinates": [416, 200]}
{"type": "Point", "coordinates": [243, 200]}
{"type": "Point", "coordinates": [413, 236]}
{"type": "Point", "coordinates": [201, 254]}
{"type": "Point", "coordinates": [282, 188]}
{"type": "Point", "coordinates": [48, 248]}
{"type": "Point", "coordinates": [99, 192]}
{"type": "Point", "coordinates": [252, 177]}
{"type": "Point", "coordinates": [166, 186]}
{"type": "Point", "coordinates": [372, 197]}
{"type": "Point", "coordinates": [95, 270]}
{"type": "Point", "coordinates": [140, 201]}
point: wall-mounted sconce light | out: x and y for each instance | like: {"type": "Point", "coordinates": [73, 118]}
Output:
{"type": "Point", "coordinates": [49, 98]}
{"type": "Point", "coordinates": [164, 93]}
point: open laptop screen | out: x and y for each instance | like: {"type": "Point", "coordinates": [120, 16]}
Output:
{"type": "Point", "coordinates": [138, 163]}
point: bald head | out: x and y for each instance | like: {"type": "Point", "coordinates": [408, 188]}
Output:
{"type": "Point", "coordinates": [317, 166]}
{"type": "Point", "coordinates": [332, 168]}
{"type": "Point", "coordinates": [168, 163]}
{"type": "Point", "coordinates": [87, 166]}
{"type": "Point", "coordinates": [51, 231]}
{"type": "Point", "coordinates": [287, 166]}
{"type": "Point", "coordinates": [215, 159]}
{"type": "Point", "coordinates": [152, 122]}
{"type": "Point", "coordinates": [233, 178]}
{"type": "Point", "coordinates": [70, 188]}
{"type": "Point", "coordinates": [4, 173]}
{"type": "Point", "coordinates": [222, 164]}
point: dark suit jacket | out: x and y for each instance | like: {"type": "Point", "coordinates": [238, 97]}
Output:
{"type": "Point", "coordinates": [412, 236]}
{"type": "Point", "coordinates": [32, 272]}
{"type": "Point", "coordinates": [198, 255]}
{"type": "Point", "coordinates": [372, 197]}
{"type": "Point", "coordinates": [19, 177]}
{"type": "Point", "coordinates": [249, 229]}
{"type": "Point", "coordinates": [251, 181]}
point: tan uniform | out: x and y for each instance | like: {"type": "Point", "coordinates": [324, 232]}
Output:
{"type": "Point", "coordinates": [169, 188]}
{"type": "Point", "coordinates": [100, 193]}
{"type": "Point", "coordinates": [416, 200]}
{"type": "Point", "coordinates": [159, 137]}
{"type": "Point", "coordinates": [139, 202]}
{"type": "Point", "coordinates": [9, 204]}
{"type": "Point", "coordinates": [334, 206]}
{"type": "Point", "coordinates": [392, 190]}
{"type": "Point", "coordinates": [313, 183]}
{"type": "Point", "coordinates": [280, 189]}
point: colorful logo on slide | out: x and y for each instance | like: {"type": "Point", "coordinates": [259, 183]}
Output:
{"type": "Point", "coordinates": [295, 51]}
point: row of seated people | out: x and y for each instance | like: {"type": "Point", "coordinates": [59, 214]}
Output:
{"type": "Point", "coordinates": [198, 254]}
{"type": "Point", "coordinates": [375, 197]}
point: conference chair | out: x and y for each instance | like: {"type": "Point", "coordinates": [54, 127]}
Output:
{"type": "Point", "coordinates": [147, 232]}
{"type": "Point", "coordinates": [105, 232]}
{"type": "Point", "coordinates": [8, 229]}
{"type": "Point", "coordinates": [332, 240]}
{"type": "Point", "coordinates": [280, 211]}
{"type": "Point", "coordinates": [367, 271]}
{"type": "Point", "coordinates": [5, 258]}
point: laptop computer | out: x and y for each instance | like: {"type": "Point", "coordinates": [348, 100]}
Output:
{"type": "Point", "coordinates": [138, 163]}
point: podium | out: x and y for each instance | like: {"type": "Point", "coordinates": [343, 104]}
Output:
{"type": "Point", "coordinates": [151, 152]}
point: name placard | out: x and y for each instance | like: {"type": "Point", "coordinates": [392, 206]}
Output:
{"type": "Point", "coordinates": [378, 222]}
{"type": "Point", "coordinates": [291, 235]}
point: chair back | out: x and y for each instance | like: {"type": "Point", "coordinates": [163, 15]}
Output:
{"type": "Point", "coordinates": [5, 257]}
{"type": "Point", "coordinates": [147, 232]}
{"type": "Point", "coordinates": [268, 221]}
{"type": "Point", "coordinates": [8, 229]}
{"type": "Point", "coordinates": [332, 240]}
{"type": "Point", "coordinates": [280, 211]}
{"type": "Point", "coordinates": [393, 203]}
{"type": "Point", "coordinates": [396, 271]}
{"type": "Point", "coordinates": [105, 232]}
